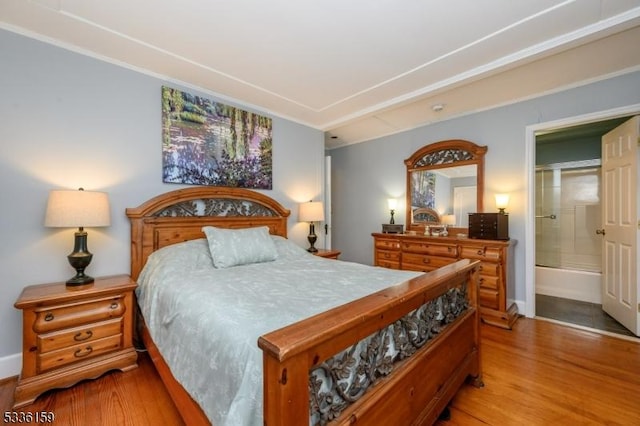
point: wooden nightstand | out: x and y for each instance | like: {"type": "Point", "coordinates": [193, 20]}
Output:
{"type": "Point", "coordinates": [74, 333]}
{"type": "Point", "coordinates": [329, 254]}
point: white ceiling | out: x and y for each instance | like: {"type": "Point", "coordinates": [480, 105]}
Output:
{"type": "Point", "coordinates": [356, 69]}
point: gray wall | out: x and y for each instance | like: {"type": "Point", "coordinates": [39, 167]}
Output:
{"type": "Point", "coordinates": [68, 120]}
{"type": "Point", "coordinates": [364, 175]}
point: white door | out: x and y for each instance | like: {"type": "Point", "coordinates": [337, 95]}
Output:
{"type": "Point", "coordinates": [327, 202]}
{"type": "Point", "coordinates": [620, 224]}
{"type": "Point", "coordinates": [464, 202]}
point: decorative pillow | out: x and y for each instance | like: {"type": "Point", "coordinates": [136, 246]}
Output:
{"type": "Point", "coordinates": [232, 247]}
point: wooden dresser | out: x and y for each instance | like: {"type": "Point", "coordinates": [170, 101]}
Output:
{"type": "Point", "coordinates": [74, 333]}
{"type": "Point", "coordinates": [422, 253]}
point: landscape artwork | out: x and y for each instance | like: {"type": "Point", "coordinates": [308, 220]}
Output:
{"type": "Point", "coordinates": [210, 143]}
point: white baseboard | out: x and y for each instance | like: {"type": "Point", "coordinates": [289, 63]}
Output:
{"type": "Point", "coordinates": [520, 304]}
{"type": "Point", "coordinates": [10, 365]}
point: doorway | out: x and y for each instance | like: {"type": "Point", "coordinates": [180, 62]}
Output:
{"type": "Point", "coordinates": [559, 164]}
{"type": "Point", "coordinates": [568, 251]}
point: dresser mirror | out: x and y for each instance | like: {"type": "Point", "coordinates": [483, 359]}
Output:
{"type": "Point", "coordinates": [445, 182]}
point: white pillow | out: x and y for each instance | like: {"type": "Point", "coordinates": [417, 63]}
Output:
{"type": "Point", "coordinates": [232, 247]}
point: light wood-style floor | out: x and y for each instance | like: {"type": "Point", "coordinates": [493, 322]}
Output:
{"type": "Point", "coordinates": [540, 373]}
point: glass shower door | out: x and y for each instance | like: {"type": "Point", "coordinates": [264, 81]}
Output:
{"type": "Point", "coordinates": [567, 216]}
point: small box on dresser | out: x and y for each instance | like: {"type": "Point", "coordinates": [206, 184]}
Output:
{"type": "Point", "coordinates": [391, 228]}
{"type": "Point", "coordinates": [489, 226]}
{"type": "Point", "coordinates": [74, 333]}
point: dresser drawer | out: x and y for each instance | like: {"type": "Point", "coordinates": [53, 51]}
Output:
{"type": "Point", "coordinates": [54, 359]}
{"type": "Point", "coordinates": [481, 252]}
{"type": "Point", "coordinates": [393, 256]}
{"type": "Point", "coordinates": [387, 244]}
{"type": "Point", "coordinates": [489, 298]}
{"type": "Point", "coordinates": [489, 282]}
{"type": "Point", "coordinates": [417, 262]}
{"type": "Point", "coordinates": [490, 269]}
{"type": "Point", "coordinates": [64, 338]}
{"type": "Point", "coordinates": [445, 250]}
{"type": "Point", "coordinates": [388, 264]}
{"type": "Point", "coordinates": [64, 316]}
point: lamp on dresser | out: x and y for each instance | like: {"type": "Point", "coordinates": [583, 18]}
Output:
{"type": "Point", "coordinates": [393, 205]}
{"type": "Point", "coordinates": [448, 220]}
{"type": "Point", "coordinates": [78, 209]}
{"type": "Point", "coordinates": [311, 212]}
{"type": "Point", "coordinates": [502, 201]}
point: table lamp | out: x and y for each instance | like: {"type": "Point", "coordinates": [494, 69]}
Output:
{"type": "Point", "coordinates": [311, 212]}
{"type": "Point", "coordinates": [78, 209]}
{"type": "Point", "coordinates": [502, 201]}
{"type": "Point", "coordinates": [393, 204]}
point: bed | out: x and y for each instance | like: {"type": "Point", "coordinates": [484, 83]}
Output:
{"type": "Point", "coordinates": [383, 347]}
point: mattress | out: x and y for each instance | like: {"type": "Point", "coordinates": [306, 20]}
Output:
{"type": "Point", "coordinates": [206, 321]}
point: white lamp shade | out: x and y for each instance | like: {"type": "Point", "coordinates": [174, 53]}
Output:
{"type": "Point", "coordinates": [76, 209]}
{"type": "Point", "coordinates": [393, 203]}
{"type": "Point", "coordinates": [311, 212]}
{"type": "Point", "coordinates": [449, 219]}
{"type": "Point", "coordinates": [502, 201]}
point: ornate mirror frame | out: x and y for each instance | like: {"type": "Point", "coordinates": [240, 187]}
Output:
{"type": "Point", "coordinates": [444, 154]}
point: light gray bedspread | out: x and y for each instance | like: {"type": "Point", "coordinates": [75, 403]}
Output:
{"type": "Point", "coordinates": [206, 321]}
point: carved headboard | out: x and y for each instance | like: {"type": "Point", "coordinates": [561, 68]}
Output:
{"type": "Point", "coordinates": [179, 215]}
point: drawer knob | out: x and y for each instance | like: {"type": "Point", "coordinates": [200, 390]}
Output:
{"type": "Point", "coordinates": [114, 305]}
{"type": "Point", "coordinates": [83, 336]}
{"type": "Point", "coordinates": [426, 260]}
{"type": "Point", "coordinates": [48, 316]}
{"type": "Point", "coordinates": [80, 353]}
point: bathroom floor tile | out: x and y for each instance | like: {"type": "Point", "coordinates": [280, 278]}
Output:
{"type": "Point", "coordinates": [578, 312]}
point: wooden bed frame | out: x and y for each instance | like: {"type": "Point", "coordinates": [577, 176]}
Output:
{"type": "Point", "coordinates": [418, 388]}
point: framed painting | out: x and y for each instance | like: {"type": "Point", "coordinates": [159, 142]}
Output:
{"type": "Point", "coordinates": [210, 143]}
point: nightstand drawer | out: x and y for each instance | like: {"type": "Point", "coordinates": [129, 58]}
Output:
{"type": "Point", "coordinates": [62, 316]}
{"type": "Point", "coordinates": [80, 352]}
{"type": "Point", "coordinates": [73, 336]}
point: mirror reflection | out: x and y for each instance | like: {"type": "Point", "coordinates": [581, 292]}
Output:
{"type": "Point", "coordinates": [444, 196]}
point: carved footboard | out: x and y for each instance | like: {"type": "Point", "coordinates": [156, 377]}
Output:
{"type": "Point", "coordinates": [395, 357]}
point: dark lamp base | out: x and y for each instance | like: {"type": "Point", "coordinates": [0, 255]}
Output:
{"type": "Point", "coordinates": [79, 259]}
{"type": "Point", "coordinates": [312, 237]}
{"type": "Point", "coordinates": [80, 280]}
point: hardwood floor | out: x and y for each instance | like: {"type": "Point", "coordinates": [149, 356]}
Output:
{"type": "Point", "coordinates": [135, 398]}
{"type": "Point", "coordinates": [539, 373]}
{"type": "Point", "coordinates": [542, 373]}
